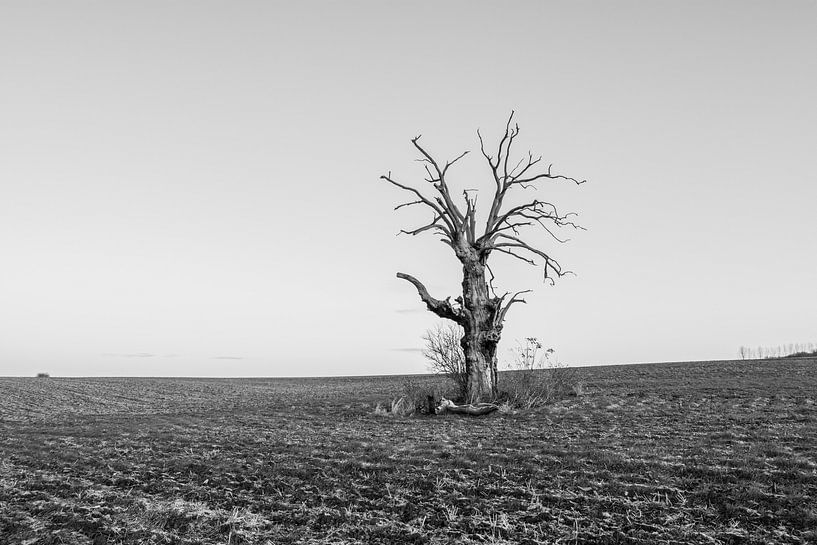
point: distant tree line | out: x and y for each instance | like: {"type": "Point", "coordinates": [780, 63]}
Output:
{"type": "Point", "coordinates": [783, 351]}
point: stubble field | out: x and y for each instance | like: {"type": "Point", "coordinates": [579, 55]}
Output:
{"type": "Point", "coordinates": [715, 452]}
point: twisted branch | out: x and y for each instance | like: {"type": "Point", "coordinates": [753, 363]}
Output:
{"type": "Point", "coordinates": [442, 308]}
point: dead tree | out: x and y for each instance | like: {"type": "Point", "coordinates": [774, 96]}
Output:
{"type": "Point", "coordinates": [507, 230]}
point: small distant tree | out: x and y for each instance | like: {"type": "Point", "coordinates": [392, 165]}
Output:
{"type": "Point", "coordinates": [743, 352]}
{"type": "Point", "coordinates": [443, 350]}
{"type": "Point", "coordinates": [43, 375]}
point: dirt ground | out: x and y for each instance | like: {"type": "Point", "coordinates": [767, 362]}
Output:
{"type": "Point", "coordinates": [709, 452]}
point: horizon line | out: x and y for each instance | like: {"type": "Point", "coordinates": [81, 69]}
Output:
{"type": "Point", "coordinates": [402, 374]}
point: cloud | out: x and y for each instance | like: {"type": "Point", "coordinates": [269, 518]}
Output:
{"type": "Point", "coordinates": [140, 355]}
{"type": "Point", "coordinates": [132, 355]}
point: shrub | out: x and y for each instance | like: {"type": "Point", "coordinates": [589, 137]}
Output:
{"type": "Point", "coordinates": [43, 375]}
{"type": "Point", "coordinates": [535, 378]}
{"type": "Point", "coordinates": [445, 356]}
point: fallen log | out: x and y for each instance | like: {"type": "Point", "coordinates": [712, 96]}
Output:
{"type": "Point", "coordinates": [472, 409]}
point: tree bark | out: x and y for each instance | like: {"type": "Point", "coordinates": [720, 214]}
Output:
{"type": "Point", "coordinates": [481, 333]}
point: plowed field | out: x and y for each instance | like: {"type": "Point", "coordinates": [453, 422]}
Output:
{"type": "Point", "coordinates": [711, 452]}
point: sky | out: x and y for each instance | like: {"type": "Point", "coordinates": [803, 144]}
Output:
{"type": "Point", "coordinates": [192, 188]}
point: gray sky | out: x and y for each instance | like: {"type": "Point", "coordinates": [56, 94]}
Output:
{"type": "Point", "coordinates": [191, 188]}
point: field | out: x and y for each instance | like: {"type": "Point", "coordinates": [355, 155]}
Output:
{"type": "Point", "coordinates": [714, 452]}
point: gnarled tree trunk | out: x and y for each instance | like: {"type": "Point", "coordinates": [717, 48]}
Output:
{"type": "Point", "coordinates": [481, 333]}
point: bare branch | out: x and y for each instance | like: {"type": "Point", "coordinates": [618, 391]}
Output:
{"type": "Point", "coordinates": [431, 179]}
{"type": "Point", "coordinates": [507, 137]}
{"type": "Point", "coordinates": [449, 163]}
{"type": "Point", "coordinates": [491, 279]}
{"type": "Point", "coordinates": [470, 215]}
{"type": "Point", "coordinates": [515, 299]}
{"type": "Point", "coordinates": [516, 243]}
{"type": "Point", "coordinates": [513, 134]}
{"type": "Point", "coordinates": [443, 309]}
{"type": "Point", "coordinates": [516, 176]}
{"type": "Point", "coordinates": [485, 153]}
{"type": "Point", "coordinates": [454, 213]}
{"type": "Point", "coordinates": [433, 225]}
{"type": "Point", "coordinates": [421, 198]}
{"type": "Point", "coordinates": [535, 211]}
{"type": "Point", "coordinates": [406, 204]}
{"type": "Point", "coordinates": [549, 175]}
{"type": "Point", "coordinates": [503, 155]}
{"type": "Point", "coordinates": [519, 164]}
{"type": "Point", "coordinates": [519, 243]}
{"type": "Point", "coordinates": [511, 213]}
{"type": "Point", "coordinates": [517, 256]}
{"type": "Point", "coordinates": [538, 219]}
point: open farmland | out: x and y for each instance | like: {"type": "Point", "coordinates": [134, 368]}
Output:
{"type": "Point", "coordinates": [715, 452]}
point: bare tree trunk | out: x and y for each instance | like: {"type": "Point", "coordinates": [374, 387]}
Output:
{"type": "Point", "coordinates": [481, 333]}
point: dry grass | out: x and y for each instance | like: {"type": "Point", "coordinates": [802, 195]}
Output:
{"type": "Point", "coordinates": [529, 388]}
{"type": "Point", "coordinates": [719, 452]}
